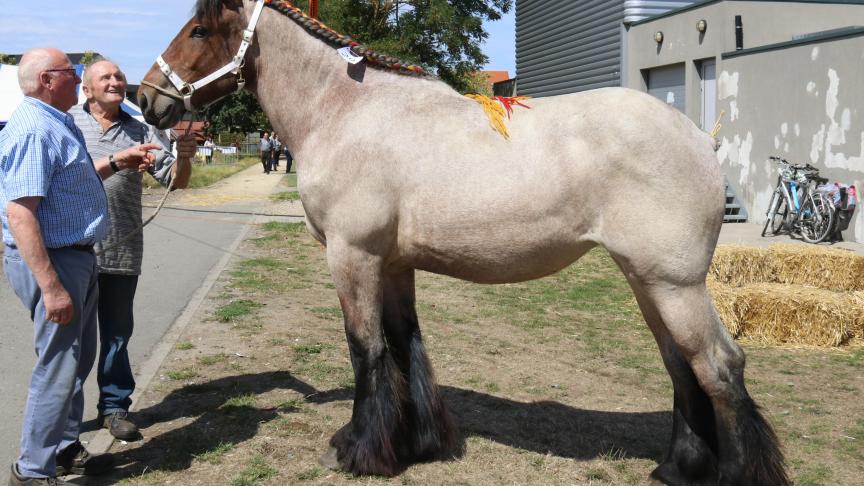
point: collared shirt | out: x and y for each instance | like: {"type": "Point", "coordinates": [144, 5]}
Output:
{"type": "Point", "coordinates": [42, 154]}
{"type": "Point", "coordinates": [123, 188]}
{"type": "Point", "coordinates": [265, 144]}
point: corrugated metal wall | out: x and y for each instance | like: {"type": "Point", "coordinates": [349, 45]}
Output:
{"type": "Point", "coordinates": [635, 10]}
{"type": "Point", "coordinates": [564, 46]}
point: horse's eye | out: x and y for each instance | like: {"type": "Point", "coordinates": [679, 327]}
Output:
{"type": "Point", "coordinates": [199, 31]}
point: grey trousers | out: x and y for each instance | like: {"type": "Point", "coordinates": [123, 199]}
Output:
{"type": "Point", "coordinates": [65, 355]}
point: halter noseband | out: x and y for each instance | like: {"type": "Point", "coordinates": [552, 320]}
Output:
{"type": "Point", "coordinates": [187, 89]}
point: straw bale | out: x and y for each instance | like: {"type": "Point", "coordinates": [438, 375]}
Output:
{"type": "Point", "coordinates": [741, 265]}
{"type": "Point", "coordinates": [826, 268]}
{"type": "Point", "coordinates": [798, 314]}
{"type": "Point", "coordinates": [726, 298]}
{"type": "Point", "coordinates": [857, 327]}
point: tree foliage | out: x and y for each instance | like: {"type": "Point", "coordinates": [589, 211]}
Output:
{"type": "Point", "coordinates": [89, 57]}
{"type": "Point", "coordinates": [238, 113]}
{"type": "Point", "coordinates": [444, 36]}
{"type": "Point", "coordinates": [7, 59]}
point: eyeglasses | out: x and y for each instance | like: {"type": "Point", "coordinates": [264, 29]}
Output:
{"type": "Point", "coordinates": [71, 71]}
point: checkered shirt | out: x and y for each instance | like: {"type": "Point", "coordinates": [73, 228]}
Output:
{"type": "Point", "coordinates": [42, 153]}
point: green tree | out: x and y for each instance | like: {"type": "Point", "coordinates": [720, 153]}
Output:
{"type": "Point", "coordinates": [89, 57]}
{"type": "Point", "coordinates": [444, 36]}
{"type": "Point", "coordinates": [7, 59]}
{"type": "Point", "coordinates": [237, 113]}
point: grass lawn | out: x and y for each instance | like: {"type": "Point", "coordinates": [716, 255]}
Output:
{"type": "Point", "coordinates": [207, 175]}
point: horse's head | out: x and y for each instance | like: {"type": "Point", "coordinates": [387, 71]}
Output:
{"type": "Point", "coordinates": [204, 62]}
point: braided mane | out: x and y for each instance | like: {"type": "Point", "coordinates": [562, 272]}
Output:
{"type": "Point", "coordinates": [210, 9]}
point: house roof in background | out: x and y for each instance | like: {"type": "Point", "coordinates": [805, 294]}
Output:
{"type": "Point", "coordinates": [497, 76]}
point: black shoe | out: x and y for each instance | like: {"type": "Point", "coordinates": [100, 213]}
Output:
{"type": "Point", "coordinates": [119, 425]}
{"type": "Point", "coordinates": [16, 479]}
{"type": "Point", "coordinates": [76, 460]}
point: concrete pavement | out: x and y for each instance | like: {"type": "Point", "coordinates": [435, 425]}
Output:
{"type": "Point", "coordinates": [749, 234]}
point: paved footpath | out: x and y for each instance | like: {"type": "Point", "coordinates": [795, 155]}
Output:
{"type": "Point", "coordinates": [184, 247]}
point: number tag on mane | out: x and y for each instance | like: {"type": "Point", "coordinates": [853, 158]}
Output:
{"type": "Point", "coordinates": [349, 55]}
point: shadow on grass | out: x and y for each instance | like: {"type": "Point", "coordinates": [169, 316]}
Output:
{"type": "Point", "coordinates": [543, 427]}
{"type": "Point", "coordinates": [221, 416]}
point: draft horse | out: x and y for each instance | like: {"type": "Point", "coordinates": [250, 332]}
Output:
{"type": "Point", "coordinates": [399, 172]}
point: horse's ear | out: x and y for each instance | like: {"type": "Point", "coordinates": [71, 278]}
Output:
{"type": "Point", "coordinates": [212, 9]}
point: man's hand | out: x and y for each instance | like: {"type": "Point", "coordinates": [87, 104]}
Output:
{"type": "Point", "coordinates": [136, 158]}
{"type": "Point", "coordinates": [24, 225]}
{"type": "Point", "coordinates": [58, 305]}
{"type": "Point", "coordinates": [186, 147]}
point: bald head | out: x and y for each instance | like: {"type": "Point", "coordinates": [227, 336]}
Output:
{"type": "Point", "coordinates": [48, 75]}
{"type": "Point", "coordinates": [34, 62]}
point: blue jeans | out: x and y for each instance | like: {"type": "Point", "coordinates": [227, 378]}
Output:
{"type": "Point", "coordinates": [64, 357]}
{"type": "Point", "coordinates": [114, 374]}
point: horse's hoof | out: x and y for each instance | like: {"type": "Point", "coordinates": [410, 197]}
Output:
{"type": "Point", "coordinates": [330, 459]}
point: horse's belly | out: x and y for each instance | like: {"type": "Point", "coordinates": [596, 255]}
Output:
{"type": "Point", "coordinates": [492, 259]}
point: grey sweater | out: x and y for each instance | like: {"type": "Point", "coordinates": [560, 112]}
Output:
{"type": "Point", "coordinates": [124, 187]}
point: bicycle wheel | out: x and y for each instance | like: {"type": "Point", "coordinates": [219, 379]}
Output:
{"type": "Point", "coordinates": [776, 215]}
{"type": "Point", "coordinates": [817, 218]}
{"type": "Point", "coordinates": [778, 222]}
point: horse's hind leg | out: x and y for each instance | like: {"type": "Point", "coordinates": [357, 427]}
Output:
{"type": "Point", "coordinates": [429, 430]}
{"type": "Point", "coordinates": [369, 443]}
{"type": "Point", "coordinates": [692, 455]}
{"type": "Point", "coordinates": [747, 451]}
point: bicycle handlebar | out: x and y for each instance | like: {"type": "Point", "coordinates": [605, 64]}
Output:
{"type": "Point", "coordinates": [805, 167]}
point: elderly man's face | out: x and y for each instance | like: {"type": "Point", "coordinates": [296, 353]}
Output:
{"type": "Point", "coordinates": [105, 84]}
{"type": "Point", "coordinates": [63, 82]}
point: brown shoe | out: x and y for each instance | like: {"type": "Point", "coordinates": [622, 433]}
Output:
{"type": "Point", "coordinates": [16, 479]}
{"type": "Point", "coordinates": [120, 425]}
{"type": "Point", "coordinates": [76, 460]}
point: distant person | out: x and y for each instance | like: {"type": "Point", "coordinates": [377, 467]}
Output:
{"type": "Point", "coordinates": [288, 159]}
{"type": "Point", "coordinates": [107, 130]}
{"type": "Point", "coordinates": [208, 150]}
{"type": "Point", "coordinates": [54, 208]}
{"type": "Point", "coordinates": [276, 151]}
{"type": "Point", "coordinates": [265, 146]}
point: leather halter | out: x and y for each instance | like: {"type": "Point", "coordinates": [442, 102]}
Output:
{"type": "Point", "coordinates": [234, 67]}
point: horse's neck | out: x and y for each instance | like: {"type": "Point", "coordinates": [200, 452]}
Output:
{"type": "Point", "coordinates": [301, 80]}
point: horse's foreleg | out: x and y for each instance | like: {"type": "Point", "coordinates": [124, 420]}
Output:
{"type": "Point", "coordinates": [368, 444]}
{"type": "Point", "coordinates": [429, 428]}
{"type": "Point", "coordinates": [748, 452]}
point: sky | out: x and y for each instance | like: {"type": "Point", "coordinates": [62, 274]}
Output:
{"type": "Point", "coordinates": [132, 34]}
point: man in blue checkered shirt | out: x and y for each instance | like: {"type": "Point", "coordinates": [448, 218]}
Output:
{"type": "Point", "coordinates": [54, 209]}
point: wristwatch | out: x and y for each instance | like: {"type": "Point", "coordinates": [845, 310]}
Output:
{"type": "Point", "coordinates": [113, 164]}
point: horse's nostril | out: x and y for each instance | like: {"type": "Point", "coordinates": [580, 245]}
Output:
{"type": "Point", "coordinates": [142, 103]}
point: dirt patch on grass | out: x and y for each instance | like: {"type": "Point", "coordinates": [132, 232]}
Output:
{"type": "Point", "coordinates": [555, 381]}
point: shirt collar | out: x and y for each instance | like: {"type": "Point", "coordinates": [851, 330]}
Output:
{"type": "Point", "coordinates": [123, 116]}
{"type": "Point", "coordinates": [61, 116]}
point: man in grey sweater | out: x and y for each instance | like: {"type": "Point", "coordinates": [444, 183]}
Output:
{"type": "Point", "coordinates": [107, 129]}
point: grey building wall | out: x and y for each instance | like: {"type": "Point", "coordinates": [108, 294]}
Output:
{"type": "Point", "coordinates": [565, 46]}
{"type": "Point", "coordinates": [802, 101]}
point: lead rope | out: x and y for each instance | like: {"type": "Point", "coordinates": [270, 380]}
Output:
{"type": "Point", "coordinates": [168, 190]}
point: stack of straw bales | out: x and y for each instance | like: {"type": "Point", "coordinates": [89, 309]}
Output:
{"type": "Point", "coordinates": [791, 294]}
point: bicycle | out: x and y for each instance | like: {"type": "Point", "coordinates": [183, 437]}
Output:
{"type": "Point", "coordinates": [796, 206]}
